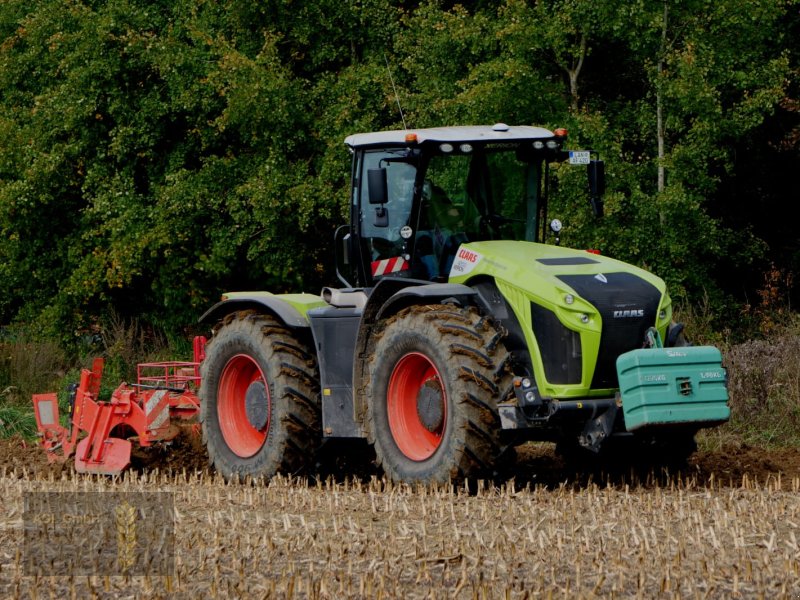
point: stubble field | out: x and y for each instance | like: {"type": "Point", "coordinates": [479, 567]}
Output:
{"type": "Point", "coordinates": [726, 526]}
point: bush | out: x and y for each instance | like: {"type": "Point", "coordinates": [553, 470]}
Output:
{"type": "Point", "coordinates": [764, 387]}
{"type": "Point", "coordinates": [29, 366]}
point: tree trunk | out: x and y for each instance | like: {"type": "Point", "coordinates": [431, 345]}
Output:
{"type": "Point", "coordinates": [573, 72]}
{"type": "Point", "coordinates": [659, 102]}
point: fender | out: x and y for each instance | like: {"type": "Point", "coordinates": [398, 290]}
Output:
{"type": "Point", "coordinates": [430, 293]}
{"type": "Point", "coordinates": [290, 309]}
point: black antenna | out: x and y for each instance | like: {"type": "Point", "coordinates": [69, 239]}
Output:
{"type": "Point", "coordinates": [396, 96]}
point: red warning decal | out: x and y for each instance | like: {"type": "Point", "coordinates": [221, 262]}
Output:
{"type": "Point", "coordinates": [389, 265]}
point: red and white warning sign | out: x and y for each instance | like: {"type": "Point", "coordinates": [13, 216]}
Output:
{"type": "Point", "coordinates": [156, 410]}
{"type": "Point", "coordinates": [389, 265]}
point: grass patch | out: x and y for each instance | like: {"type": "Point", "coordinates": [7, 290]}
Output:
{"type": "Point", "coordinates": [29, 366]}
{"type": "Point", "coordinates": [17, 420]}
{"type": "Point", "coordinates": [26, 367]}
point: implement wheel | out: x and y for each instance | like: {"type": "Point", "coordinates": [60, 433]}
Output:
{"type": "Point", "coordinates": [259, 404]}
{"type": "Point", "coordinates": [435, 377]}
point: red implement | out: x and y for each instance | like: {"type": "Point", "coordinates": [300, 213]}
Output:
{"type": "Point", "coordinates": [100, 431]}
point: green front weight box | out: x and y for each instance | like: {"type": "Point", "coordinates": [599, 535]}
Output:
{"type": "Point", "coordinates": [673, 386]}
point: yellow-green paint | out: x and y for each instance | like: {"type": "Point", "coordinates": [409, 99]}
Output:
{"type": "Point", "coordinates": [521, 279]}
{"type": "Point", "coordinates": [302, 303]}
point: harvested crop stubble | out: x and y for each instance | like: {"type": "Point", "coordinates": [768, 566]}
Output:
{"type": "Point", "coordinates": [289, 538]}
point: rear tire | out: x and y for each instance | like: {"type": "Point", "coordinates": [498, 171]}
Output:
{"type": "Point", "coordinates": [259, 397]}
{"type": "Point", "coordinates": [435, 377]}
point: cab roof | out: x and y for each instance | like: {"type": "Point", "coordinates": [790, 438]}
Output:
{"type": "Point", "coordinates": [499, 132]}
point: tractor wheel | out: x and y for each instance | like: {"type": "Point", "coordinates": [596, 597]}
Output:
{"type": "Point", "coordinates": [259, 397]}
{"type": "Point", "coordinates": [435, 377]}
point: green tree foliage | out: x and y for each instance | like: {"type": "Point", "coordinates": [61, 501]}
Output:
{"type": "Point", "coordinates": [153, 154]}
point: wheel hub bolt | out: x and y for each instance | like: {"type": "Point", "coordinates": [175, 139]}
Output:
{"type": "Point", "coordinates": [256, 405]}
{"type": "Point", "coordinates": [429, 406]}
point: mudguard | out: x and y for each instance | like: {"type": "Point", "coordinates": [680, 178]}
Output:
{"type": "Point", "coordinates": [428, 293]}
{"type": "Point", "coordinates": [291, 309]}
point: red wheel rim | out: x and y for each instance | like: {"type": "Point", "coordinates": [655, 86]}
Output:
{"type": "Point", "coordinates": [240, 435]}
{"type": "Point", "coordinates": [412, 374]}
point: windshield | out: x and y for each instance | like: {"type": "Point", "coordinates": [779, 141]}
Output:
{"type": "Point", "coordinates": [482, 195]}
{"type": "Point", "coordinates": [436, 201]}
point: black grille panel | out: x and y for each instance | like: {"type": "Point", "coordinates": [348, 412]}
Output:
{"type": "Point", "coordinates": [569, 260]}
{"type": "Point", "coordinates": [560, 347]}
{"type": "Point", "coordinates": [628, 306]}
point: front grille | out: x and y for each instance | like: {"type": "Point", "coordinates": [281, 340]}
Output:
{"type": "Point", "coordinates": [627, 305]}
{"type": "Point", "coordinates": [560, 347]}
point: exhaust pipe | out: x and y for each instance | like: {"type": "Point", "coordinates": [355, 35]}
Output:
{"type": "Point", "coordinates": [344, 299]}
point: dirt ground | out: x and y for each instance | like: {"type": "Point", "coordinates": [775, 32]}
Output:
{"type": "Point", "coordinates": [535, 464]}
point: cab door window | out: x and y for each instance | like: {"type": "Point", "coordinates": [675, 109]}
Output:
{"type": "Point", "coordinates": [382, 235]}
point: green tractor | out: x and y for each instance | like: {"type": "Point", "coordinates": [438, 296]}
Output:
{"type": "Point", "coordinates": [457, 332]}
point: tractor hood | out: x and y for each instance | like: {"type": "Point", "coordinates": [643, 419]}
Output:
{"type": "Point", "coordinates": [537, 267]}
{"type": "Point", "coordinates": [585, 290]}
{"type": "Point", "coordinates": [594, 306]}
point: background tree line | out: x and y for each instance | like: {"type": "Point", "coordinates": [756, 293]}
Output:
{"type": "Point", "coordinates": [155, 153]}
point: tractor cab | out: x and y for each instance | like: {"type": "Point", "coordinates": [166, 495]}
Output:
{"type": "Point", "coordinates": [418, 195]}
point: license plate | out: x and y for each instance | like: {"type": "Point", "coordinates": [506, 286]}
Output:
{"type": "Point", "coordinates": [579, 157]}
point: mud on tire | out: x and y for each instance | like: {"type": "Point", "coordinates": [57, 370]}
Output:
{"type": "Point", "coordinates": [259, 407]}
{"type": "Point", "coordinates": [435, 376]}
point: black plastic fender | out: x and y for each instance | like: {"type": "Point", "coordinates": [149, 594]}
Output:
{"type": "Point", "coordinates": [428, 294]}
{"type": "Point", "coordinates": [280, 309]}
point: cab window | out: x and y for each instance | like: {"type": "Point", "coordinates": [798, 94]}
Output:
{"type": "Point", "coordinates": [383, 236]}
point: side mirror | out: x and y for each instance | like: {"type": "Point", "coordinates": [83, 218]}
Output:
{"type": "Point", "coordinates": [344, 248]}
{"type": "Point", "coordinates": [596, 170]}
{"type": "Point", "coordinates": [377, 186]}
{"type": "Point", "coordinates": [596, 173]}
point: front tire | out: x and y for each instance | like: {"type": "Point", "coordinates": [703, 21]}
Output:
{"type": "Point", "coordinates": [435, 377]}
{"type": "Point", "coordinates": [259, 397]}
